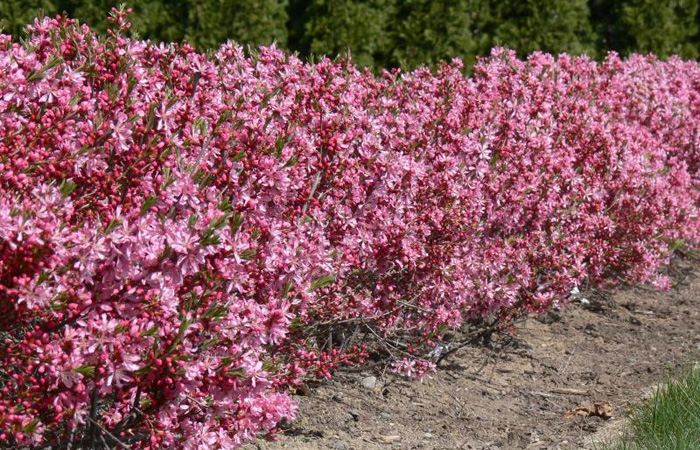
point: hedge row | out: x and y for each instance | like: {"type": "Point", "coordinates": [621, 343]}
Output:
{"type": "Point", "coordinates": [180, 232]}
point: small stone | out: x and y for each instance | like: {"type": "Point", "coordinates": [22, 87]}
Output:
{"type": "Point", "coordinates": [603, 379]}
{"type": "Point", "coordinates": [428, 436]}
{"type": "Point", "coordinates": [527, 368]}
{"type": "Point", "coordinates": [369, 382]}
{"type": "Point", "coordinates": [385, 416]}
{"type": "Point", "coordinates": [391, 438]}
{"type": "Point", "coordinates": [341, 445]}
{"type": "Point", "coordinates": [355, 414]}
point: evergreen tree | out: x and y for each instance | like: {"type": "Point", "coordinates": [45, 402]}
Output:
{"type": "Point", "coordinates": [425, 32]}
{"type": "Point", "coordinates": [392, 33]}
{"type": "Point", "coordinates": [255, 23]}
{"type": "Point", "coordinates": [91, 12]}
{"type": "Point", "coordinates": [647, 26]}
{"type": "Point", "coordinates": [297, 12]}
{"type": "Point", "coordinates": [605, 19]}
{"type": "Point", "coordinates": [662, 28]}
{"type": "Point", "coordinates": [159, 20]}
{"type": "Point", "coordinates": [204, 23]}
{"type": "Point", "coordinates": [336, 27]}
{"type": "Point", "coordinates": [15, 15]}
{"type": "Point", "coordinates": [553, 26]}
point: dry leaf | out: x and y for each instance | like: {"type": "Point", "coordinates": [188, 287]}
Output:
{"type": "Point", "coordinates": [599, 409]}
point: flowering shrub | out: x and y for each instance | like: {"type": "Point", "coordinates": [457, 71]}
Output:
{"type": "Point", "coordinates": [179, 231]}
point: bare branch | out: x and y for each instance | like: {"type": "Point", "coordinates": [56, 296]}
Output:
{"type": "Point", "coordinates": [104, 430]}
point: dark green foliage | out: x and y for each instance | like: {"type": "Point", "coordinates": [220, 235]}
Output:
{"type": "Point", "coordinates": [204, 23]}
{"type": "Point", "coordinates": [259, 22]}
{"type": "Point", "coordinates": [16, 14]}
{"type": "Point", "coordinates": [298, 16]}
{"type": "Point", "coordinates": [340, 27]}
{"type": "Point", "coordinates": [553, 26]}
{"type": "Point", "coordinates": [663, 28]}
{"type": "Point", "coordinates": [399, 33]}
{"type": "Point", "coordinates": [425, 32]}
{"type": "Point", "coordinates": [647, 26]}
{"type": "Point", "coordinates": [159, 20]}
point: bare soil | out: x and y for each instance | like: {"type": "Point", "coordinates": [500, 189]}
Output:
{"type": "Point", "coordinates": [514, 393]}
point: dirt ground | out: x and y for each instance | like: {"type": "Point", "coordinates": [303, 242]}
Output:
{"type": "Point", "coordinates": [514, 394]}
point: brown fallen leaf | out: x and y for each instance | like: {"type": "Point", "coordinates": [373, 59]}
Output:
{"type": "Point", "coordinates": [599, 409]}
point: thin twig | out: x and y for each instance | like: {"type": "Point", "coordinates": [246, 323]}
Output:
{"type": "Point", "coordinates": [102, 438]}
{"type": "Point", "coordinates": [313, 191]}
{"type": "Point", "coordinates": [70, 439]}
{"type": "Point", "coordinates": [116, 439]}
{"type": "Point", "coordinates": [93, 415]}
{"type": "Point", "coordinates": [472, 337]}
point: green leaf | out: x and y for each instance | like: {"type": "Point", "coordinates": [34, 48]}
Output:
{"type": "Point", "coordinates": [67, 187]}
{"type": "Point", "coordinates": [167, 178]}
{"type": "Point", "coordinates": [225, 204]}
{"type": "Point", "coordinates": [148, 203]}
{"type": "Point", "coordinates": [192, 221]}
{"type": "Point", "coordinates": [238, 372]}
{"type": "Point", "coordinates": [296, 324]}
{"type": "Point", "coordinates": [219, 222]}
{"type": "Point", "coordinates": [43, 276]}
{"type": "Point", "coordinates": [209, 238]}
{"type": "Point", "coordinates": [321, 282]}
{"type": "Point", "coordinates": [270, 367]}
{"type": "Point", "coordinates": [200, 125]}
{"type": "Point", "coordinates": [236, 222]}
{"type": "Point", "coordinates": [678, 244]}
{"type": "Point", "coordinates": [113, 91]}
{"type": "Point", "coordinates": [248, 254]}
{"type": "Point", "coordinates": [29, 429]}
{"type": "Point", "coordinates": [208, 343]}
{"type": "Point", "coordinates": [286, 288]}
{"type": "Point", "coordinates": [184, 325]}
{"type": "Point", "coordinates": [238, 156]}
{"type": "Point", "coordinates": [50, 64]}
{"type": "Point", "coordinates": [112, 225]}
{"type": "Point", "coordinates": [75, 99]}
{"type": "Point", "coordinates": [281, 142]}
{"type": "Point", "coordinates": [225, 361]}
{"type": "Point", "coordinates": [215, 312]}
{"type": "Point", "coordinates": [150, 332]}
{"type": "Point", "coordinates": [87, 371]}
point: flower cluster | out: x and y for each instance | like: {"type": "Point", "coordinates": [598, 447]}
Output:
{"type": "Point", "coordinates": [413, 368]}
{"type": "Point", "coordinates": [176, 228]}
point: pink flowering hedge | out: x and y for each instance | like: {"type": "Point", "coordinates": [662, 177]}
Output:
{"type": "Point", "coordinates": [178, 229]}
